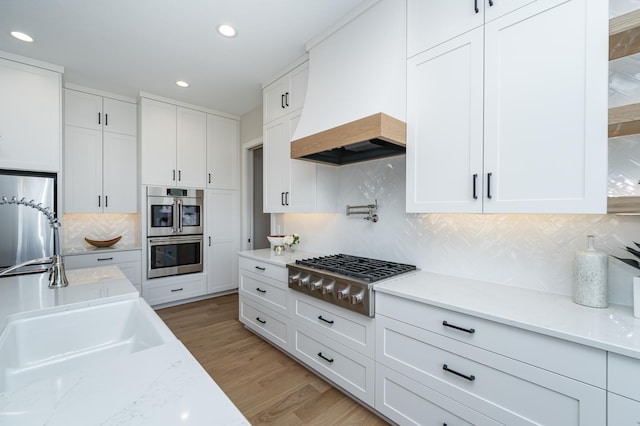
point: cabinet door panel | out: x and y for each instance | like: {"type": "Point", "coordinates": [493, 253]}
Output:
{"type": "Point", "coordinates": [431, 22]}
{"type": "Point", "coordinates": [120, 117]}
{"type": "Point", "coordinates": [191, 147]}
{"type": "Point", "coordinates": [222, 152]}
{"type": "Point", "coordinates": [30, 117]}
{"type": "Point", "coordinates": [273, 99]}
{"type": "Point", "coordinates": [298, 88]}
{"type": "Point", "coordinates": [444, 126]}
{"type": "Point", "coordinates": [276, 166]}
{"type": "Point", "coordinates": [301, 182]}
{"type": "Point", "coordinates": [83, 170]}
{"type": "Point", "coordinates": [545, 134]}
{"type": "Point", "coordinates": [158, 143]}
{"type": "Point", "coordinates": [120, 159]}
{"type": "Point", "coordinates": [223, 237]}
{"type": "Point", "coordinates": [83, 110]}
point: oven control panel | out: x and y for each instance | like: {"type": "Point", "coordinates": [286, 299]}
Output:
{"type": "Point", "coordinates": [333, 288]}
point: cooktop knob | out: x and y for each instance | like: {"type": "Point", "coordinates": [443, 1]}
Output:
{"type": "Point", "coordinates": [303, 282]}
{"type": "Point", "coordinates": [328, 288]}
{"type": "Point", "coordinates": [357, 298]}
{"type": "Point", "coordinates": [315, 284]}
{"type": "Point", "coordinates": [294, 277]}
{"type": "Point", "coordinates": [343, 293]}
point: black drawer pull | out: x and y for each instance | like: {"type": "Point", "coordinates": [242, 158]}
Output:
{"type": "Point", "coordinates": [329, 360]}
{"type": "Point", "coordinates": [173, 290]}
{"type": "Point", "coordinates": [261, 290]}
{"type": "Point", "coordinates": [470, 378]}
{"type": "Point", "coordinates": [261, 268]}
{"type": "Point", "coordinates": [101, 259]}
{"type": "Point", "coordinates": [260, 321]}
{"type": "Point", "coordinates": [466, 330]}
{"type": "Point", "coordinates": [325, 320]}
{"type": "Point", "coordinates": [475, 184]}
{"type": "Point", "coordinates": [475, 6]}
{"type": "Point", "coordinates": [489, 185]}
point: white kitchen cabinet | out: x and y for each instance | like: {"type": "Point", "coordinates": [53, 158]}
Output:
{"type": "Point", "coordinates": [223, 238]}
{"type": "Point", "coordinates": [485, 366]}
{"type": "Point", "coordinates": [286, 94]}
{"type": "Point", "coordinates": [129, 262]}
{"type": "Point", "coordinates": [289, 185]}
{"type": "Point", "coordinates": [168, 290]}
{"type": "Point", "coordinates": [623, 397]}
{"type": "Point", "coordinates": [30, 117]}
{"type": "Point", "coordinates": [222, 152]}
{"type": "Point", "coordinates": [173, 144]}
{"type": "Point", "coordinates": [100, 154]}
{"type": "Point", "coordinates": [100, 113]}
{"type": "Point", "coordinates": [500, 121]}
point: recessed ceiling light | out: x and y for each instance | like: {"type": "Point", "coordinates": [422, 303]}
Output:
{"type": "Point", "coordinates": [182, 83]}
{"type": "Point", "coordinates": [22, 36]}
{"type": "Point", "coordinates": [227, 30]}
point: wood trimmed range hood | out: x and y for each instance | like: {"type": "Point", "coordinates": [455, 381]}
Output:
{"type": "Point", "coordinates": [369, 138]}
{"type": "Point", "coordinates": [355, 100]}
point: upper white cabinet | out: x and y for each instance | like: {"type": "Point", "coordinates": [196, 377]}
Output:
{"type": "Point", "coordinates": [286, 94]}
{"type": "Point", "coordinates": [222, 152]}
{"type": "Point", "coordinates": [509, 116]}
{"type": "Point", "coordinates": [173, 144]}
{"type": "Point", "coordinates": [100, 154]}
{"type": "Point", "coordinates": [30, 117]}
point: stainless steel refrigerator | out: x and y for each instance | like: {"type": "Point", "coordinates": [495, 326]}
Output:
{"type": "Point", "coordinates": [25, 232]}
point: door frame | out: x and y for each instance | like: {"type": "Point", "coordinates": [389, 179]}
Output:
{"type": "Point", "coordinates": [247, 194]}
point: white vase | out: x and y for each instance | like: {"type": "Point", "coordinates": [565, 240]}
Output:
{"type": "Point", "coordinates": [591, 268]}
{"type": "Point", "coordinates": [636, 297]}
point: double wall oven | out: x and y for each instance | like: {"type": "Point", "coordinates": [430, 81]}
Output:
{"type": "Point", "coordinates": [175, 219]}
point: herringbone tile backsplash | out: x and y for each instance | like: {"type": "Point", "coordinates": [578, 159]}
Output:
{"type": "Point", "coordinates": [75, 227]}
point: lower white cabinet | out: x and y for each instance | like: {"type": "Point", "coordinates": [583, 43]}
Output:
{"type": "Point", "coordinates": [623, 398]}
{"type": "Point", "coordinates": [477, 374]}
{"type": "Point", "coordinates": [271, 326]}
{"type": "Point", "coordinates": [129, 262]}
{"type": "Point", "coordinates": [222, 240]}
{"type": "Point", "coordinates": [166, 290]}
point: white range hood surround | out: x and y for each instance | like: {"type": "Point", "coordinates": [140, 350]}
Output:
{"type": "Point", "coordinates": [357, 69]}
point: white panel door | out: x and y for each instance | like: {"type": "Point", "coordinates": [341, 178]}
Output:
{"type": "Point", "coordinates": [120, 160]}
{"type": "Point", "coordinates": [222, 152]}
{"type": "Point", "coordinates": [83, 170]}
{"type": "Point", "coordinates": [545, 109]}
{"type": "Point", "coordinates": [191, 147]}
{"type": "Point", "coordinates": [120, 117]}
{"type": "Point", "coordinates": [298, 79]}
{"type": "Point", "coordinates": [276, 165]}
{"type": "Point", "coordinates": [444, 127]}
{"type": "Point", "coordinates": [83, 110]}
{"type": "Point", "coordinates": [222, 240]}
{"type": "Point", "coordinates": [274, 100]}
{"type": "Point", "coordinates": [301, 192]}
{"type": "Point", "coordinates": [158, 143]}
{"type": "Point", "coordinates": [30, 117]}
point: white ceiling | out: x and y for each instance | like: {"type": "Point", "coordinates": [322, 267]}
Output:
{"type": "Point", "coordinates": [128, 46]}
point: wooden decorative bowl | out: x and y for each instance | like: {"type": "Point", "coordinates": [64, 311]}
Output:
{"type": "Point", "coordinates": [102, 244]}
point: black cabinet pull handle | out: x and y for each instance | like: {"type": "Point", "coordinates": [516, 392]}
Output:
{"type": "Point", "coordinates": [209, 177]}
{"type": "Point", "coordinates": [106, 119]}
{"type": "Point", "coordinates": [100, 259]}
{"type": "Point", "coordinates": [174, 175]}
{"type": "Point", "coordinates": [329, 360]}
{"type": "Point", "coordinates": [466, 330]}
{"type": "Point", "coordinates": [260, 321]}
{"type": "Point", "coordinates": [475, 186]}
{"type": "Point", "coordinates": [470, 378]}
{"type": "Point", "coordinates": [106, 201]}
{"type": "Point", "coordinates": [325, 320]}
{"type": "Point", "coordinates": [99, 118]}
{"type": "Point", "coordinates": [99, 201]}
{"type": "Point", "coordinates": [179, 175]}
{"type": "Point", "coordinates": [282, 101]}
{"type": "Point", "coordinates": [490, 3]}
{"type": "Point", "coordinates": [475, 3]}
{"type": "Point", "coordinates": [261, 290]}
{"type": "Point", "coordinates": [261, 268]}
{"type": "Point", "coordinates": [286, 198]}
{"type": "Point", "coordinates": [173, 290]}
{"type": "Point", "coordinates": [489, 185]}
{"type": "Point", "coordinates": [209, 241]}
{"type": "Point", "coordinates": [282, 198]}
{"type": "Point", "coordinates": [286, 99]}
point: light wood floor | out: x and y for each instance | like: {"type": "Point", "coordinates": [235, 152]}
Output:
{"type": "Point", "coordinates": [265, 384]}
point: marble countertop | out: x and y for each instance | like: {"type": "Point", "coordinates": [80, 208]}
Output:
{"type": "Point", "coordinates": [613, 329]}
{"type": "Point", "coordinates": [72, 251]}
{"type": "Point", "coordinates": [162, 385]}
{"type": "Point", "coordinates": [270, 256]}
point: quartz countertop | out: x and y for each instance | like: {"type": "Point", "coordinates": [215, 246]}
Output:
{"type": "Point", "coordinates": [162, 385]}
{"type": "Point", "coordinates": [270, 256]}
{"type": "Point", "coordinates": [613, 329]}
{"type": "Point", "coordinates": [73, 251]}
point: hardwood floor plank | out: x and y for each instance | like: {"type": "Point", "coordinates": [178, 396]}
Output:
{"type": "Point", "coordinates": [266, 385]}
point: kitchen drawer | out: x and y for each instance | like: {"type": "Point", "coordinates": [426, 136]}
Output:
{"type": "Point", "coordinates": [624, 376]}
{"type": "Point", "coordinates": [547, 352]}
{"type": "Point", "coordinates": [622, 411]}
{"type": "Point", "coordinates": [268, 325]}
{"type": "Point", "coordinates": [348, 369]}
{"type": "Point", "coordinates": [91, 260]}
{"type": "Point", "coordinates": [407, 402]}
{"type": "Point", "coordinates": [168, 290]}
{"type": "Point", "coordinates": [497, 386]}
{"type": "Point", "coordinates": [261, 268]}
{"type": "Point", "coordinates": [355, 331]}
{"type": "Point", "coordinates": [265, 291]}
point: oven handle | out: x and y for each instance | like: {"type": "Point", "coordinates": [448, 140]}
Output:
{"type": "Point", "coordinates": [174, 240]}
{"type": "Point", "coordinates": [179, 201]}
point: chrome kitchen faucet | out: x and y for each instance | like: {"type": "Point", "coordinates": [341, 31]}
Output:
{"type": "Point", "coordinates": [57, 276]}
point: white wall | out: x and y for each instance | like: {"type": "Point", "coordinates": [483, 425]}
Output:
{"type": "Point", "coordinates": [530, 251]}
{"type": "Point", "coordinates": [251, 125]}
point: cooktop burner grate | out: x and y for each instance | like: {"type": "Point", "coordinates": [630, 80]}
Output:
{"type": "Point", "coordinates": [362, 268]}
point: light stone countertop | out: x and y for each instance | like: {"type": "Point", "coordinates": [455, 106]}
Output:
{"type": "Point", "coordinates": [73, 251]}
{"type": "Point", "coordinates": [159, 386]}
{"type": "Point", "coordinates": [270, 256]}
{"type": "Point", "coordinates": [613, 329]}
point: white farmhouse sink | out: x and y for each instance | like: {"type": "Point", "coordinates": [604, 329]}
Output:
{"type": "Point", "coordinates": [53, 344]}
